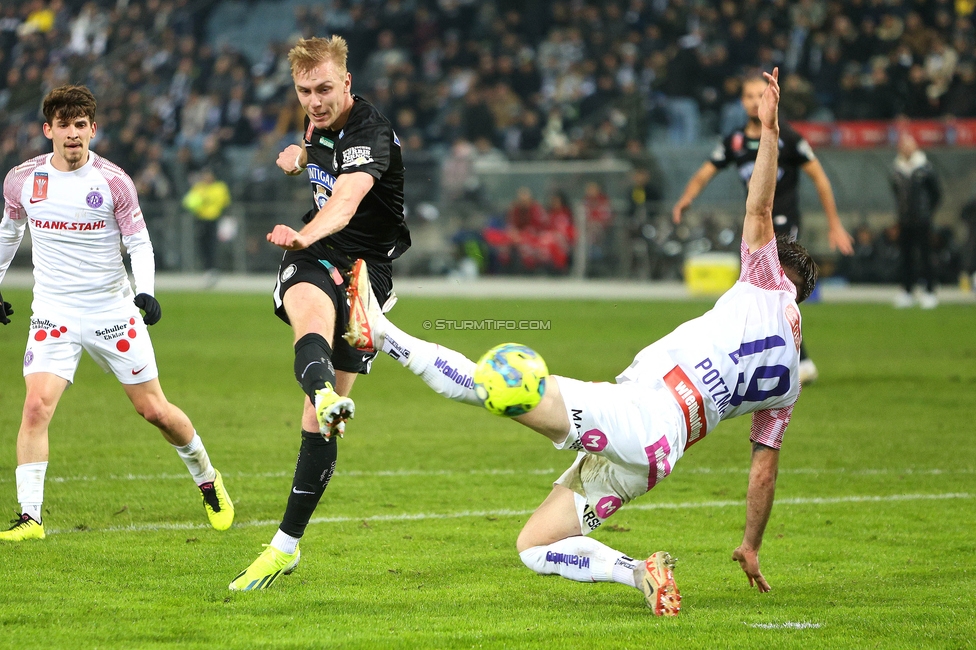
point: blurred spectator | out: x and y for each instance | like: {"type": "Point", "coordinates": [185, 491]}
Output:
{"type": "Point", "coordinates": [968, 216]}
{"type": "Point", "coordinates": [207, 200]}
{"type": "Point", "coordinates": [515, 247]}
{"type": "Point", "coordinates": [797, 101]}
{"type": "Point", "coordinates": [960, 99]}
{"type": "Point", "coordinates": [553, 80]}
{"type": "Point", "coordinates": [917, 194]}
{"type": "Point", "coordinates": [599, 219]}
{"type": "Point", "coordinates": [560, 234]}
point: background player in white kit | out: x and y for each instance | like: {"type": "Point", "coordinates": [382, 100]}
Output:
{"type": "Point", "coordinates": [78, 205]}
{"type": "Point", "coordinates": [740, 357]}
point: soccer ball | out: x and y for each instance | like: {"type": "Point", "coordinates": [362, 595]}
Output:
{"type": "Point", "coordinates": [510, 379]}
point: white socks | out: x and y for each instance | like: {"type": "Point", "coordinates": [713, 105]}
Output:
{"type": "Point", "coordinates": [582, 559]}
{"type": "Point", "coordinates": [197, 461]}
{"type": "Point", "coordinates": [284, 542]}
{"type": "Point", "coordinates": [30, 488]}
{"type": "Point", "coordinates": [447, 372]}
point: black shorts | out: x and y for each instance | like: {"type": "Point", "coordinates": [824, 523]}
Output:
{"type": "Point", "coordinates": [327, 269]}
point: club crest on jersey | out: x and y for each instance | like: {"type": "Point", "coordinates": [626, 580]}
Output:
{"type": "Point", "coordinates": [40, 187]}
{"type": "Point", "coordinates": [94, 199]}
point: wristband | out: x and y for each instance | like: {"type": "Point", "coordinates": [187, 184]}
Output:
{"type": "Point", "coordinates": [298, 166]}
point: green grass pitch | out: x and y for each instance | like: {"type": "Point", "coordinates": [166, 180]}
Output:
{"type": "Point", "coordinates": [872, 541]}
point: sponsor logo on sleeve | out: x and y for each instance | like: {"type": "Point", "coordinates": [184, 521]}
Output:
{"type": "Point", "coordinates": [41, 184]}
{"type": "Point", "coordinates": [691, 402]}
{"type": "Point", "coordinates": [357, 157]}
{"type": "Point", "coordinates": [793, 318]}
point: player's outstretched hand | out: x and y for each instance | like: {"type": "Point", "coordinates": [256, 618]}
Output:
{"type": "Point", "coordinates": [769, 103]}
{"type": "Point", "coordinates": [287, 238]}
{"type": "Point", "coordinates": [748, 559]}
{"type": "Point", "coordinates": [290, 159]}
{"type": "Point", "coordinates": [5, 310]}
{"type": "Point", "coordinates": [678, 210]}
{"type": "Point", "coordinates": [840, 240]}
{"type": "Point", "coordinates": [150, 305]}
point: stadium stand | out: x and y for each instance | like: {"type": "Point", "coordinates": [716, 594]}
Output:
{"type": "Point", "coordinates": [205, 83]}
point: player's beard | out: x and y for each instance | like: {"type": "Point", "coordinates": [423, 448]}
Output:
{"type": "Point", "coordinates": [73, 155]}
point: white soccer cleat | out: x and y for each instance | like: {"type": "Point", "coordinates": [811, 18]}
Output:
{"type": "Point", "coordinates": [928, 300]}
{"type": "Point", "coordinates": [904, 300]}
{"type": "Point", "coordinates": [363, 331]}
{"type": "Point", "coordinates": [808, 372]}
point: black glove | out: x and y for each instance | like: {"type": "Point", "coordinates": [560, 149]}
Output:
{"type": "Point", "coordinates": [150, 305]}
{"type": "Point", "coordinates": [5, 310]}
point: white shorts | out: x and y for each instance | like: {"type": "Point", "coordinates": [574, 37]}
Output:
{"type": "Point", "coordinates": [629, 436]}
{"type": "Point", "coordinates": [116, 339]}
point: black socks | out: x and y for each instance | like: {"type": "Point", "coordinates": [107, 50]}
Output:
{"type": "Point", "coordinates": [316, 462]}
{"type": "Point", "coordinates": [313, 364]}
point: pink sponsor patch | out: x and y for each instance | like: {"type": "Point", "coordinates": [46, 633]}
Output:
{"type": "Point", "coordinates": [607, 506]}
{"type": "Point", "coordinates": [594, 440]}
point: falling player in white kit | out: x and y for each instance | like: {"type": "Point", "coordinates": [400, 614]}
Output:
{"type": "Point", "coordinates": [740, 357]}
{"type": "Point", "coordinates": [78, 205]}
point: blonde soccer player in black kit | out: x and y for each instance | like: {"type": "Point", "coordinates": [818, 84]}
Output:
{"type": "Point", "coordinates": [352, 158]}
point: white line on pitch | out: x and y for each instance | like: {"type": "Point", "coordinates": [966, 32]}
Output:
{"type": "Point", "coordinates": [499, 472]}
{"type": "Point", "coordinates": [419, 516]}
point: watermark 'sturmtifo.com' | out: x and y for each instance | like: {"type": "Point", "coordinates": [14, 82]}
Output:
{"type": "Point", "coordinates": [487, 324]}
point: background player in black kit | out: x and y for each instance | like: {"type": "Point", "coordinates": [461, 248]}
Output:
{"type": "Point", "coordinates": [740, 148]}
{"type": "Point", "coordinates": [353, 161]}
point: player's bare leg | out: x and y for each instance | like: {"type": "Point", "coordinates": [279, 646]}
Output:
{"type": "Point", "coordinates": [150, 402]}
{"type": "Point", "coordinates": [44, 391]}
{"type": "Point", "coordinates": [549, 417]}
{"type": "Point", "coordinates": [554, 520]}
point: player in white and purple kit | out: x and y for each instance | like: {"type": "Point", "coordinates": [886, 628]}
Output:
{"type": "Point", "coordinates": [78, 206]}
{"type": "Point", "coordinates": [740, 357]}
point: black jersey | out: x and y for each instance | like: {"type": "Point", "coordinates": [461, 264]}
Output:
{"type": "Point", "coordinates": [366, 143]}
{"type": "Point", "coordinates": [794, 152]}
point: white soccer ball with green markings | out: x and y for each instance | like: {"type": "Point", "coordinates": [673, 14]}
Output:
{"type": "Point", "coordinates": [510, 379]}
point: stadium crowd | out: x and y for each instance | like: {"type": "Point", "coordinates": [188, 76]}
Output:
{"type": "Point", "coordinates": [571, 79]}
{"type": "Point", "coordinates": [500, 79]}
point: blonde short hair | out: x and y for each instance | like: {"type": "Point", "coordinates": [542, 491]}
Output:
{"type": "Point", "coordinates": [310, 52]}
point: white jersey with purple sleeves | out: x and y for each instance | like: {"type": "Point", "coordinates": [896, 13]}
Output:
{"type": "Point", "coordinates": [742, 356]}
{"type": "Point", "coordinates": [76, 219]}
